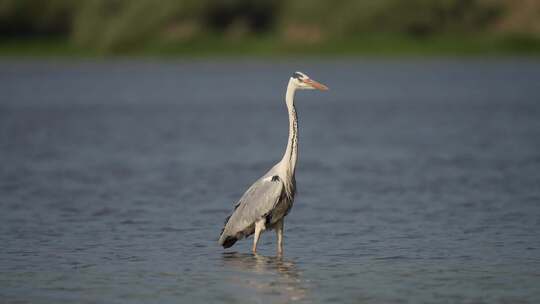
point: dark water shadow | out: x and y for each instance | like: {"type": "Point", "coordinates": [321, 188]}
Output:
{"type": "Point", "coordinates": [269, 279]}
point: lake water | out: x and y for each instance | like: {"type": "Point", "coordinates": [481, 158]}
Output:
{"type": "Point", "coordinates": [418, 181]}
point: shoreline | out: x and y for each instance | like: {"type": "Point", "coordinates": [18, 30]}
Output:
{"type": "Point", "coordinates": [267, 47]}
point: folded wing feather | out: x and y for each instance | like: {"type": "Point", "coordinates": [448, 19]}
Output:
{"type": "Point", "coordinates": [257, 202]}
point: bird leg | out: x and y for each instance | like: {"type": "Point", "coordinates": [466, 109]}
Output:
{"type": "Point", "coordinates": [279, 233]}
{"type": "Point", "coordinates": [259, 227]}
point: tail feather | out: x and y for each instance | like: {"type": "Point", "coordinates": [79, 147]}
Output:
{"type": "Point", "coordinates": [225, 238]}
{"type": "Point", "coordinates": [228, 241]}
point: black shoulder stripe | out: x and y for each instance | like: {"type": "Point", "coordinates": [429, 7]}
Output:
{"type": "Point", "coordinates": [275, 178]}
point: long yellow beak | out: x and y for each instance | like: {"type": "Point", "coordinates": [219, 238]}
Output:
{"type": "Point", "coordinates": [316, 85]}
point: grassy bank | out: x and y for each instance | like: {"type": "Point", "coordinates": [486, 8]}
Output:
{"type": "Point", "coordinates": [268, 46]}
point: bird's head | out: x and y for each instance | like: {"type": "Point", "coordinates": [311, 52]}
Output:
{"type": "Point", "coordinates": [303, 82]}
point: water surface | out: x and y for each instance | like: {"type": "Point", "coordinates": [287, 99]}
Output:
{"type": "Point", "coordinates": [419, 181]}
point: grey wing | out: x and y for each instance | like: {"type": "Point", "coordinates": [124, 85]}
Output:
{"type": "Point", "coordinates": [258, 201]}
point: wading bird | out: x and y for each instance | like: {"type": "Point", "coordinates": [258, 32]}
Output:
{"type": "Point", "coordinates": [266, 203]}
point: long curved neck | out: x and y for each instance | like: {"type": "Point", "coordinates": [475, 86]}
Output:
{"type": "Point", "coordinates": [291, 153]}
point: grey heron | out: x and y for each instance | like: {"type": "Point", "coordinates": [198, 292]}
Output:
{"type": "Point", "coordinates": [266, 203]}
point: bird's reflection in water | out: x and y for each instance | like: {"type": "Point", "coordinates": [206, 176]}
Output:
{"type": "Point", "coordinates": [271, 278]}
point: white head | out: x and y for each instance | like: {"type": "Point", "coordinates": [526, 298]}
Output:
{"type": "Point", "coordinates": [302, 82]}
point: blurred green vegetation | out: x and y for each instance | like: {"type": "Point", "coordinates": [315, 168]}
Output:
{"type": "Point", "coordinates": [266, 27]}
